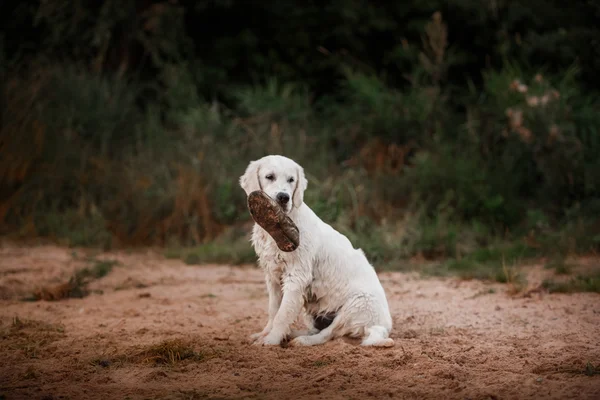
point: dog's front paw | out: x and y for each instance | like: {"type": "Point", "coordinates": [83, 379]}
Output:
{"type": "Point", "coordinates": [268, 340]}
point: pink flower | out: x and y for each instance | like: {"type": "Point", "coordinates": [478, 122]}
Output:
{"type": "Point", "coordinates": [532, 101]}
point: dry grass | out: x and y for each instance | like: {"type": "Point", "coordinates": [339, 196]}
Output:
{"type": "Point", "coordinates": [29, 336]}
{"type": "Point", "coordinates": [515, 280]}
{"type": "Point", "coordinates": [76, 287]}
{"type": "Point", "coordinates": [168, 352]}
{"type": "Point", "coordinates": [435, 42]}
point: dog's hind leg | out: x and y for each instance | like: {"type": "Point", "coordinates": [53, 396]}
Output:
{"type": "Point", "coordinates": [378, 336]}
{"type": "Point", "coordinates": [319, 338]}
{"type": "Point", "coordinates": [302, 332]}
{"type": "Point", "coordinates": [311, 324]}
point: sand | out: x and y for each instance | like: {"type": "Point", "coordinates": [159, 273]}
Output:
{"type": "Point", "coordinates": [454, 339]}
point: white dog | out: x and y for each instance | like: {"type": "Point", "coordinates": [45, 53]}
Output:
{"type": "Point", "coordinates": [333, 282]}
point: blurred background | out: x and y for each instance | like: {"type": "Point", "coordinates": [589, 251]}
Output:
{"type": "Point", "coordinates": [464, 133]}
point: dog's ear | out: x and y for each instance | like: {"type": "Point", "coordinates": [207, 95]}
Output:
{"type": "Point", "coordinates": [250, 180]}
{"type": "Point", "coordinates": [301, 184]}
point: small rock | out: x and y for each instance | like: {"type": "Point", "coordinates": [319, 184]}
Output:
{"type": "Point", "coordinates": [144, 295]}
{"type": "Point", "coordinates": [539, 379]}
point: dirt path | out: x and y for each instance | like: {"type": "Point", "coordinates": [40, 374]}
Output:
{"type": "Point", "coordinates": [463, 340]}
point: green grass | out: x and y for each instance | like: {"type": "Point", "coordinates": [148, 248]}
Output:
{"type": "Point", "coordinates": [81, 278]}
{"type": "Point", "coordinates": [560, 266]}
{"type": "Point", "coordinates": [98, 269]}
{"type": "Point", "coordinates": [494, 263]}
{"type": "Point", "coordinates": [502, 261]}
{"type": "Point", "coordinates": [591, 369]}
{"type": "Point", "coordinates": [579, 283]}
{"type": "Point", "coordinates": [77, 285]}
{"type": "Point", "coordinates": [227, 250]}
{"type": "Point", "coordinates": [73, 229]}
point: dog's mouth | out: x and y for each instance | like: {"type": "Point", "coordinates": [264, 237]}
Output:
{"type": "Point", "coordinates": [285, 207]}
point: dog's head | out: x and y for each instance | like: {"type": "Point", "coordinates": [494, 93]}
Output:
{"type": "Point", "coordinates": [279, 177]}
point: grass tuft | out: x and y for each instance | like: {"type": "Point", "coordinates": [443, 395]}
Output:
{"type": "Point", "coordinates": [168, 353]}
{"type": "Point", "coordinates": [591, 369]}
{"type": "Point", "coordinates": [29, 336]}
{"type": "Point", "coordinates": [76, 287]}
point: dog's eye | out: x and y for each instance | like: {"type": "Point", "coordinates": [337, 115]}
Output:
{"type": "Point", "coordinates": [291, 180]}
{"type": "Point", "coordinates": [270, 177]}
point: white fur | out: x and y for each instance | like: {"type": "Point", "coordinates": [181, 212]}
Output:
{"type": "Point", "coordinates": [324, 274]}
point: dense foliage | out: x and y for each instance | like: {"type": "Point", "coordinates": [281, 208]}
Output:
{"type": "Point", "coordinates": [433, 128]}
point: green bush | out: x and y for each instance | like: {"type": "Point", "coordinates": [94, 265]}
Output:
{"type": "Point", "coordinates": [412, 147]}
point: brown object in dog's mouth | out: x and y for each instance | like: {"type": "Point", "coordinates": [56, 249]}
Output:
{"type": "Point", "coordinates": [270, 216]}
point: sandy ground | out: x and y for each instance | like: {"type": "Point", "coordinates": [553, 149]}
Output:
{"type": "Point", "coordinates": [454, 339]}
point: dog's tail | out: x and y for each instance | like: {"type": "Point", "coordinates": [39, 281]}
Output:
{"type": "Point", "coordinates": [378, 336]}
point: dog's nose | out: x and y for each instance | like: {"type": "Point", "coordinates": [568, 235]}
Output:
{"type": "Point", "coordinates": [283, 198]}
